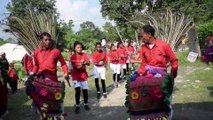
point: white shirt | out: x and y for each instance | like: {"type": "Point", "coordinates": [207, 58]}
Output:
{"type": "Point", "coordinates": [103, 42]}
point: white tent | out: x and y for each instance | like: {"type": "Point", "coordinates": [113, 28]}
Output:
{"type": "Point", "coordinates": [14, 52]}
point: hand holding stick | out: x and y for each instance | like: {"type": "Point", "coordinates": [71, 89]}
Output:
{"type": "Point", "coordinates": [67, 78]}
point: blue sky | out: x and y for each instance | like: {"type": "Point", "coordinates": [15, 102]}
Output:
{"type": "Point", "coordinates": [3, 16]}
{"type": "Point", "coordinates": [77, 10]}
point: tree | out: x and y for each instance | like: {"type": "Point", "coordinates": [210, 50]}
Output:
{"type": "Point", "coordinates": [11, 40]}
{"type": "Point", "coordinates": [116, 9]}
{"type": "Point", "coordinates": [89, 34]}
{"type": "Point", "coordinates": [70, 36]}
{"type": "Point", "coordinates": [87, 25]}
{"type": "Point", "coordinates": [121, 10]}
{"type": "Point", "coordinates": [200, 10]}
{"type": "Point", "coordinates": [2, 41]}
{"type": "Point", "coordinates": [20, 8]}
{"type": "Point", "coordinates": [109, 31]}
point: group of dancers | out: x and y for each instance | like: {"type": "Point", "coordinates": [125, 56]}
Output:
{"type": "Point", "coordinates": [118, 58]}
{"type": "Point", "coordinates": [153, 52]}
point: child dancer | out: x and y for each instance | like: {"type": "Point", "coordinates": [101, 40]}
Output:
{"type": "Point", "coordinates": [13, 78]}
{"type": "Point", "coordinates": [99, 59]}
{"type": "Point", "coordinates": [114, 64]}
{"type": "Point", "coordinates": [123, 57]}
{"type": "Point", "coordinates": [79, 60]}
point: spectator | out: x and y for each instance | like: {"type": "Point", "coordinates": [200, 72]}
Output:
{"type": "Point", "coordinates": [4, 65]}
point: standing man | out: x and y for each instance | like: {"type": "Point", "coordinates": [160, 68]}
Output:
{"type": "Point", "coordinates": [45, 64]}
{"type": "Point", "coordinates": [157, 53]}
{"type": "Point", "coordinates": [4, 65]}
{"type": "Point", "coordinates": [46, 58]}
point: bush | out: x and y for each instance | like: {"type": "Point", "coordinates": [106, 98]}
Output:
{"type": "Point", "coordinates": [203, 30]}
{"type": "Point", "coordinates": [65, 55]}
{"type": "Point", "coordinates": [20, 71]}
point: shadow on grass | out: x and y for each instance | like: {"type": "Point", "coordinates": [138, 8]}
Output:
{"type": "Point", "coordinates": [98, 113]}
{"type": "Point", "coordinates": [193, 111]}
{"type": "Point", "coordinates": [19, 106]}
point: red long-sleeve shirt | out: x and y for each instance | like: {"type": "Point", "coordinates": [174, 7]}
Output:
{"type": "Point", "coordinates": [28, 63]}
{"type": "Point", "coordinates": [13, 75]}
{"type": "Point", "coordinates": [158, 56]}
{"type": "Point", "coordinates": [123, 55]}
{"type": "Point", "coordinates": [96, 57]}
{"type": "Point", "coordinates": [45, 61]}
{"type": "Point", "coordinates": [114, 57]}
{"type": "Point", "coordinates": [79, 74]}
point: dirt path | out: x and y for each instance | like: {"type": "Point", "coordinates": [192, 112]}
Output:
{"type": "Point", "coordinates": [110, 108]}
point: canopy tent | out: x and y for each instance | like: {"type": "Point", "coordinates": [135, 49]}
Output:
{"type": "Point", "coordinates": [14, 52]}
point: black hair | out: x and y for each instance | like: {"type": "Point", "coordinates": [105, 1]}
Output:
{"type": "Point", "coordinates": [149, 29]}
{"type": "Point", "coordinates": [44, 34]}
{"type": "Point", "coordinates": [119, 44]}
{"type": "Point", "coordinates": [98, 43]}
{"type": "Point", "coordinates": [77, 43]}
{"type": "Point", "coordinates": [129, 43]}
{"type": "Point", "coordinates": [112, 46]}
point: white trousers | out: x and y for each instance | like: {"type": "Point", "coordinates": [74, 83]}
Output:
{"type": "Point", "coordinates": [99, 71]}
{"type": "Point", "coordinates": [82, 84]}
{"type": "Point", "coordinates": [115, 68]}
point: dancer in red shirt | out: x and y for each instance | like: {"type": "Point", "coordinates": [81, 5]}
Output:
{"type": "Point", "coordinates": [46, 58]}
{"type": "Point", "coordinates": [123, 58]}
{"type": "Point", "coordinates": [114, 64]}
{"type": "Point", "coordinates": [156, 53]}
{"type": "Point", "coordinates": [28, 63]}
{"type": "Point", "coordinates": [99, 59]}
{"type": "Point", "coordinates": [79, 60]}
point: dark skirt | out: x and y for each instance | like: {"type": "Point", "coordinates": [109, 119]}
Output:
{"type": "Point", "coordinates": [4, 99]}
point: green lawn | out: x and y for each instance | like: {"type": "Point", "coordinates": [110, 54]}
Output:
{"type": "Point", "coordinates": [195, 84]}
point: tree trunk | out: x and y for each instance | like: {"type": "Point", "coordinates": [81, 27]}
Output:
{"type": "Point", "coordinates": [193, 41]}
